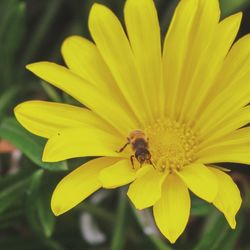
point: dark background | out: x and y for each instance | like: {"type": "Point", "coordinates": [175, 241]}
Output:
{"type": "Point", "coordinates": [32, 31]}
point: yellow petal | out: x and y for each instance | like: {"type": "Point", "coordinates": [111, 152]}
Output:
{"type": "Point", "coordinates": [235, 65]}
{"type": "Point", "coordinates": [172, 211]}
{"type": "Point", "coordinates": [78, 185]}
{"type": "Point", "coordinates": [231, 148]}
{"type": "Point", "coordinates": [177, 39]}
{"type": "Point", "coordinates": [198, 56]}
{"type": "Point", "coordinates": [200, 181]}
{"type": "Point", "coordinates": [237, 137]}
{"type": "Point", "coordinates": [214, 56]}
{"type": "Point", "coordinates": [238, 153]}
{"type": "Point", "coordinates": [233, 82]}
{"type": "Point", "coordinates": [146, 190]}
{"type": "Point", "coordinates": [191, 32]}
{"type": "Point", "coordinates": [84, 92]}
{"type": "Point", "coordinates": [115, 49]}
{"type": "Point", "coordinates": [144, 35]}
{"type": "Point", "coordinates": [228, 199]}
{"type": "Point", "coordinates": [46, 119]}
{"type": "Point", "coordinates": [80, 142]}
{"type": "Point", "coordinates": [236, 121]}
{"type": "Point", "coordinates": [119, 174]}
{"type": "Point", "coordinates": [84, 59]}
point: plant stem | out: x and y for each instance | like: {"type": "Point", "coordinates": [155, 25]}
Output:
{"type": "Point", "coordinates": [119, 228]}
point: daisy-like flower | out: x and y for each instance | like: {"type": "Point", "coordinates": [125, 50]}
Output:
{"type": "Point", "coordinates": [189, 98]}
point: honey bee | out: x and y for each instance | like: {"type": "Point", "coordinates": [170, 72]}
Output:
{"type": "Point", "coordinates": [140, 146]}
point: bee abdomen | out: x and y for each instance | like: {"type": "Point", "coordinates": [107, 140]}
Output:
{"type": "Point", "coordinates": [139, 143]}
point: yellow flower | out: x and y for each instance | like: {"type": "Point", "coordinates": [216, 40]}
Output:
{"type": "Point", "coordinates": [190, 100]}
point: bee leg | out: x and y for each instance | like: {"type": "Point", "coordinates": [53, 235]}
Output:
{"type": "Point", "coordinates": [132, 161]}
{"type": "Point", "coordinates": [151, 163]}
{"type": "Point", "coordinates": [121, 149]}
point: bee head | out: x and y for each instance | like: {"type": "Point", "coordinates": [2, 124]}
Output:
{"type": "Point", "coordinates": [142, 155]}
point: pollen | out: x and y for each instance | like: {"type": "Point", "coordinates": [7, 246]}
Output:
{"type": "Point", "coordinates": [172, 144]}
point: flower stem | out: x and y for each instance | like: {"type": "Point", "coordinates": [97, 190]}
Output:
{"type": "Point", "coordinates": [120, 224]}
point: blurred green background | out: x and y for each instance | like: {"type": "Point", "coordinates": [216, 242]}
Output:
{"type": "Point", "coordinates": [30, 31]}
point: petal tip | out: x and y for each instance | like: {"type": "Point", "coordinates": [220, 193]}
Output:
{"type": "Point", "coordinates": [171, 236]}
{"type": "Point", "coordinates": [69, 41]}
{"type": "Point", "coordinates": [172, 240]}
{"type": "Point", "coordinates": [37, 66]}
{"type": "Point", "coordinates": [17, 109]}
{"type": "Point", "coordinates": [231, 221]}
{"type": "Point", "coordinates": [31, 66]}
{"type": "Point", "coordinates": [136, 204]}
{"type": "Point", "coordinates": [56, 210]}
{"type": "Point", "coordinates": [239, 14]}
{"type": "Point", "coordinates": [46, 157]}
{"type": "Point", "coordinates": [139, 205]}
{"type": "Point", "coordinates": [233, 226]}
{"type": "Point", "coordinates": [97, 13]}
{"type": "Point", "coordinates": [102, 178]}
{"type": "Point", "coordinates": [97, 7]}
{"type": "Point", "coordinates": [28, 66]}
{"type": "Point", "coordinates": [238, 18]}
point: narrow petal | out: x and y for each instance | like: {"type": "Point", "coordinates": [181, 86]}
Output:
{"type": "Point", "coordinates": [115, 49]}
{"type": "Point", "coordinates": [78, 185]}
{"type": "Point", "coordinates": [172, 211]}
{"type": "Point", "coordinates": [146, 190]}
{"type": "Point", "coordinates": [200, 181]}
{"type": "Point", "coordinates": [177, 39]}
{"type": "Point", "coordinates": [119, 174]}
{"type": "Point", "coordinates": [214, 56]}
{"type": "Point", "coordinates": [144, 35]}
{"type": "Point", "coordinates": [233, 82]}
{"type": "Point", "coordinates": [228, 199]}
{"type": "Point", "coordinates": [200, 49]}
{"type": "Point", "coordinates": [84, 59]}
{"type": "Point", "coordinates": [238, 153]}
{"type": "Point", "coordinates": [235, 64]}
{"type": "Point", "coordinates": [231, 148]}
{"type": "Point", "coordinates": [236, 121]}
{"type": "Point", "coordinates": [46, 119]}
{"type": "Point", "coordinates": [191, 32]}
{"type": "Point", "coordinates": [237, 137]}
{"type": "Point", "coordinates": [84, 92]}
{"type": "Point", "coordinates": [80, 142]}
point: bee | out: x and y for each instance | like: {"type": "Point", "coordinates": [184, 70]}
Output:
{"type": "Point", "coordinates": [140, 146]}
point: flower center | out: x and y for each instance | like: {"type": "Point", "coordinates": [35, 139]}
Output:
{"type": "Point", "coordinates": [172, 145]}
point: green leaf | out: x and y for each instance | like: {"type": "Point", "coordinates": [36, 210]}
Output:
{"type": "Point", "coordinates": [41, 30]}
{"type": "Point", "coordinates": [15, 29]}
{"type": "Point", "coordinates": [229, 7]}
{"type": "Point", "coordinates": [144, 219]}
{"type": "Point", "coordinates": [19, 242]}
{"type": "Point", "coordinates": [51, 92]}
{"type": "Point", "coordinates": [45, 214]}
{"type": "Point", "coordinates": [120, 224]}
{"type": "Point", "coordinates": [217, 235]}
{"type": "Point", "coordinates": [6, 98]}
{"type": "Point", "coordinates": [10, 217]}
{"type": "Point", "coordinates": [12, 188]}
{"type": "Point", "coordinates": [11, 35]}
{"type": "Point", "coordinates": [200, 207]}
{"type": "Point", "coordinates": [38, 210]}
{"type": "Point", "coordinates": [6, 9]}
{"type": "Point", "coordinates": [30, 145]}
